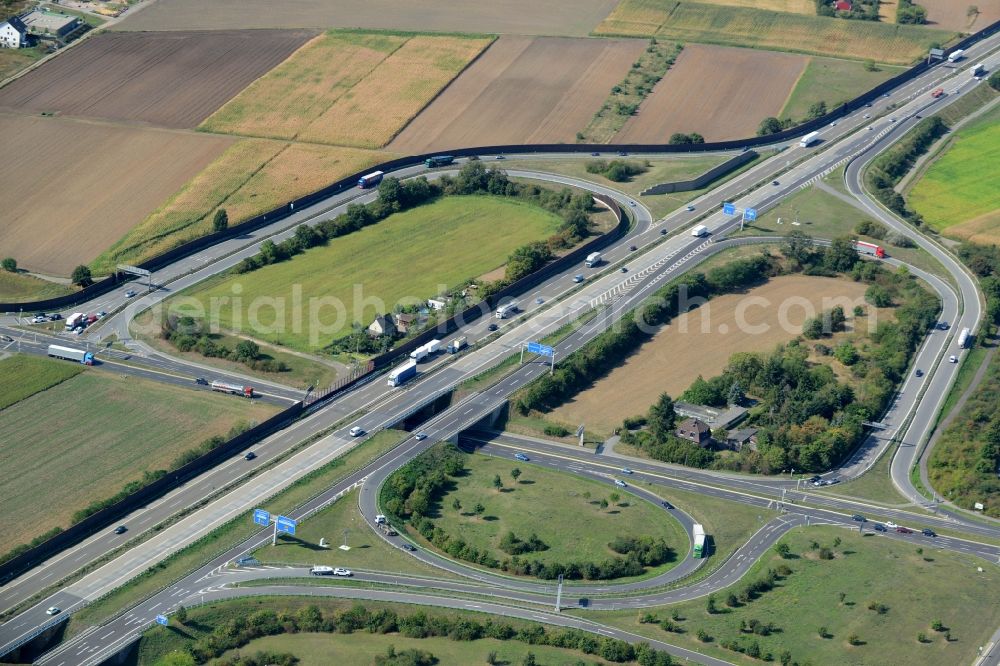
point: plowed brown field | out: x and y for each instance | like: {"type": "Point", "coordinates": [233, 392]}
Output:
{"type": "Point", "coordinates": [701, 342]}
{"type": "Point", "coordinates": [719, 92]}
{"type": "Point", "coordinates": [522, 90]}
{"type": "Point", "coordinates": [523, 17]}
{"type": "Point", "coordinates": [953, 14]}
{"type": "Point", "coordinates": [84, 184]}
{"type": "Point", "coordinates": [167, 79]}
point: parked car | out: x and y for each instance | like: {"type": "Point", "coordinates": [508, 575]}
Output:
{"type": "Point", "coordinates": [340, 571]}
{"type": "Point", "coordinates": [521, 457]}
{"type": "Point", "coordinates": [928, 532]}
{"type": "Point", "coordinates": [421, 436]}
{"type": "Point", "coordinates": [626, 470]}
{"type": "Point", "coordinates": [250, 455]}
{"type": "Point", "coordinates": [39, 319]}
{"type": "Point", "coordinates": [858, 517]}
{"type": "Point", "coordinates": [879, 527]}
{"type": "Point", "coordinates": [620, 483]}
{"type": "Point", "coordinates": [55, 317]}
{"type": "Point", "coordinates": [357, 432]}
{"type": "Point", "coordinates": [121, 529]}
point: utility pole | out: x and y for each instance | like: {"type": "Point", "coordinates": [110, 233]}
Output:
{"type": "Point", "coordinates": [559, 595]}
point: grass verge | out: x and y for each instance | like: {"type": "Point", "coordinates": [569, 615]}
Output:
{"type": "Point", "coordinates": [22, 376]}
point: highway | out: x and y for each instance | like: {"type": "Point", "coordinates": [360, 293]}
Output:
{"type": "Point", "coordinates": [379, 408]}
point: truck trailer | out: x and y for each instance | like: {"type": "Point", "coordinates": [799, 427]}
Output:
{"type": "Point", "coordinates": [419, 354]}
{"type": "Point", "coordinates": [699, 231]}
{"type": "Point", "coordinates": [400, 375]}
{"type": "Point", "coordinates": [956, 55]}
{"type": "Point", "coordinates": [70, 354]}
{"type": "Point", "coordinates": [370, 180]}
{"type": "Point", "coordinates": [808, 139]}
{"type": "Point", "coordinates": [698, 532]}
{"type": "Point", "coordinates": [505, 311]}
{"type": "Point", "coordinates": [871, 249]}
{"type": "Point", "coordinates": [977, 69]}
{"type": "Point", "coordinates": [593, 259]}
{"type": "Point", "coordinates": [457, 345]}
{"type": "Point", "coordinates": [964, 338]}
{"type": "Point", "coordinates": [438, 161]}
{"type": "Point", "coordinates": [74, 320]}
{"type": "Point", "coordinates": [433, 347]}
{"type": "Point", "coordinates": [234, 389]}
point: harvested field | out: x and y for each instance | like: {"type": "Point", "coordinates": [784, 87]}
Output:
{"type": "Point", "coordinates": [87, 184]}
{"type": "Point", "coordinates": [371, 113]}
{"type": "Point", "coordinates": [701, 342]}
{"type": "Point", "coordinates": [48, 435]}
{"type": "Point", "coordinates": [251, 177]}
{"type": "Point", "coordinates": [698, 93]}
{"type": "Point", "coordinates": [779, 31]}
{"type": "Point", "coordinates": [953, 14]}
{"type": "Point", "coordinates": [524, 17]}
{"type": "Point", "coordinates": [167, 79]}
{"type": "Point", "coordinates": [807, 7]}
{"type": "Point", "coordinates": [348, 88]}
{"type": "Point", "coordinates": [522, 90]}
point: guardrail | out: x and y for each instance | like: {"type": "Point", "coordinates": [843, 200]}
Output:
{"type": "Point", "coordinates": [289, 208]}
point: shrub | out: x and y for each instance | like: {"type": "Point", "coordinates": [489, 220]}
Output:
{"type": "Point", "coordinates": [556, 431]}
{"type": "Point", "coordinates": [9, 264]}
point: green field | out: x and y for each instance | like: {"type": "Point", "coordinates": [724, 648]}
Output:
{"type": "Point", "coordinates": [821, 214]}
{"type": "Point", "coordinates": [833, 81]}
{"type": "Point", "coordinates": [368, 551]}
{"type": "Point", "coordinates": [102, 430]}
{"type": "Point", "coordinates": [22, 376]}
{"type": "Point", "coordinates": [918, 588]}
{"type": "Point", "coordinates": [551, 505]}
{"type": "Point", "coordinates": [406, 258]}
{"type": "Point", "coordinates": [778, 31]}
{"type": "Point", "coordinates": [21, 287]}
{"type": "Point", "coordinates": [961, 184]}
{"type": "Point", "coordinates": [13, 61]}
{"type": "Point", "coordinates": [316, 650]}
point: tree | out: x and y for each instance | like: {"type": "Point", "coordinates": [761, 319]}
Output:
{"type": "Point", "coordinates": [785, 658]}
{"type": "Point", "coordinates": [822, 632]}
{"type": "Point", "coordinates": [246, 350]}
{"type": "Point", "coordinates": [732, 601]}
{"type": "Point", "coordinates": [181, 615]}
{"type": "Point", "coordinates": [456, 505]}
{"type": "Point", "coordinates": [492, 658]}
{"type": "Point", "coordinates": [497, 482]}
{"type": "Point", "coordinates": [515, 473]}
{"type": "Point", "coordinates": [769, 125]}
{"type": "Point", "coordinates": [736, 395]}
{"type": "Point", "coordinates": [661, 418]}
{"type": "Point", "coordinates": [9, 264]}
{"type": "Point", "coordinates": [604, 503]}
{"type": "Point", "coordinates": [783, 550]}
{"type": "Point", "coordinates": [614, 497]}
{"type": "Point", "coordinates": [221, 220]}
{"type": "Point", "coordinates": [870, 66]}
{"type": "Point", "coordinates": [853, 639]}
{"type": "Point", "coordinates": [529, 659]}
{"type": "Point", "coordinates": [479, 509]}
{"type": "Point", "coordinates": [816, 110]}
{"type": "Point", "coordinates": [798, 247]}
{"type": "Point", "coordinates": [994, 80]}
{"type": "Point", "coordinates": [710, 605]}
{"type": "Point", "coordinates": [81, 276]}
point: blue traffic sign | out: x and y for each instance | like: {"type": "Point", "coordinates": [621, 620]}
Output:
{"type": "Point", "coordinates": [162, 619]}
{"type": "Point", "coordinates": [286, 524]}
{"type": "Point", "coordinates": [261, 517]}
{"type": "Point", "coordinates": [540, 349]}
{"type": "Point", "coordinates": [728, 208]}
{"type": "Point", "coordinates": [750, 214]}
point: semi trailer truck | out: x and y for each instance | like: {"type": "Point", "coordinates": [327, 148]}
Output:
{"type": "Point", "coordinates": [505, 311]}
{"type": "Point", "coordinates": [438, 161]}
{"type": "Point", "coordinates": [400, 375]}
{"type": "Point", "coordinates": [698, 532]}
{"type": "Point", "coordinates": [75, 320]}
{"type": "Point", "coordinates": [808, 139]}
{"type": "Point", "coordinates": [593, 259]}
{"type": "Point", "coordinates": [457, 344]}
{"type": "Point", "coordinates": [871, 249]}
{"type": "Point", "coordinates": [233, 389]}
{"type": "Point", "coordinates": [370, 180]}
{"type": "Point", "coordinates": [977, 69]}
{"type": "Point", "coordinates": [956, 55]}
{"type": "Point", "coordinates": [70, 354]}
{"type": "Point", "coordinates": [964, 338]}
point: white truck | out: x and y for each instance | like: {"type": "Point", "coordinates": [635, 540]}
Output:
{"type": "Point", "coordinates": [433, 347]}
{"type": "Point", "coordinates": [955, 56]}
{"type": "Point", "coordinates": [977, 69]}
{"type": "Point", "coordinates": [506, 310]}
{"type": "Point", "coordinates": [419, 354]}
{"type": "Point", "coordinates": [457, 345]}
{"type": "Point", "coordinates": [593, 259]}
{"type": "Point", "coordinates": [808, 139]}
{"type": "Point", "coordinates": [963, 338]}
{"type": "Point", "coordinates": [404, 372]}
{"type": "Point", "coordinates": [699, 231]}
{"type": "Point", "coordinates": [70, 354]}
{"type": "Point", "coordinates": [75, 320]}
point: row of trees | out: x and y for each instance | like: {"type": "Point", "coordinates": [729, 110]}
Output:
{"type": "Point", "coordinates": [909, 13]}
{"type": "Point", "coordinates": [189, 334]}
{"type": "Point", "coordinates": [240, 630]}
{"type": "Point", "coordinates": [888, 168]}
{"type": "Point", "coordinates": [619, 171]}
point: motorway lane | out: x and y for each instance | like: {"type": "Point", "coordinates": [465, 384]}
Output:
{"type": "Point", "coordinates": [763, 200]}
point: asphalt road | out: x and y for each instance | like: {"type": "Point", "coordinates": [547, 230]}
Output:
{"type": "Point", "coordinates": [654, 265]}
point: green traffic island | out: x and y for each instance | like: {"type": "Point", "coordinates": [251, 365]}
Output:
{"type": "Point", "coordinates": [521, 519]}
{"type": "Point", "coordinates": [306, 631]}
{"type": "Point", "coordinates": [826, 595]}
{"type": "Point", "coordinates": [806, 401]}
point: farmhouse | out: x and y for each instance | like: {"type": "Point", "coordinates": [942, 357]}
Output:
{"type": "Point", "coordinates": [52, 24]}
{"type": "Point", "coordinates": [716, 418]}
{"type": "Point", "coordinates": [744, 437]}
{"type": "Point", "coordinates": [13, 33]}
{"type": "Point", "coordinates": [404, 322]}
{"type": "Point", "coordinates": [695, 431]}
{"type": "Point", "coordinates": [383, 325]}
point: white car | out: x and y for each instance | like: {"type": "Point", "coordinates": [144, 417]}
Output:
{"type": "Point", "coordinates": [953, 359]}
{"type": "Point", "coordinates": [340, 571]}
{"type": "Point", "coordinates": [52, 610]}
{"type": "Point", "coordinates": [420, 436]}
{"type": "Point", "coordinates": [620, 483]}
{"type": "Point", "coordinates": [891, 525]}
{"type": "Point", "coordinates": [130, 294]}
{"type": "Point", "coordinates": [357, 432]}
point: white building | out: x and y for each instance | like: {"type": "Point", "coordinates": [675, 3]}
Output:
{"type": "Point", "coordinates": [13, 33]}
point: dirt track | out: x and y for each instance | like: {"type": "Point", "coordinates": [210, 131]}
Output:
{"type": "Point", "coordinates": [525, 17]}
{"type": "Point", "coordinates": [680, 352]}
{"type": "Point", "coordinates": [522, 90]}
{"type": "Point", "coordinates": [167, 79]}
{"type": "Point", "coordinates": [719, 92]}
{"type": "Point", "coordinates": [83, 184]}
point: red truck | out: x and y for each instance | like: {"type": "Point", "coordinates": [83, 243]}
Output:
{"type": "Point", "coordinates": [937, 92]}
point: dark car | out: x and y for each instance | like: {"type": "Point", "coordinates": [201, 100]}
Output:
{"type": "Point", "coordinates": [55, 317]}
{"type": "Point", "coordinates": [774, 182]}
{"type": "Point", "coordinates": [595, 154]}
{"type": "Point", "coordinates": [409, 547]}
{"type": "Point", "coordinates": [624, 269]}
{"type": "Point", "coordinates": [632, 248]}
{"type": "Point", "coordinates": [928, 532]}
{"type": "Point", "coordinates": [622, 153]}
{"type": "Point", "coordinates": [201, 380]}
{"type": "Point", "coordinates": [121, 529]}
{"type": "Point", "coordinates": [663, 232]}
{"type": "Point", "coordinates": [814, 478]}
{"type": "Point", "coordinates": [904, 530]}
{"type": "Point", "coordinates": [492, 327]}
{"type": "Point", "coordinates": [858, 517]}
{"type": "Point", "coordinates": [667, 505]}
{"type": "Point", "coordinates": [942, 325]}
{"type": "Point", "coordinates": [919, 373]}
{"type": "Point", "coordinates": [250, 455]}
{"type": "Point", "coordinates": [879, 527]}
